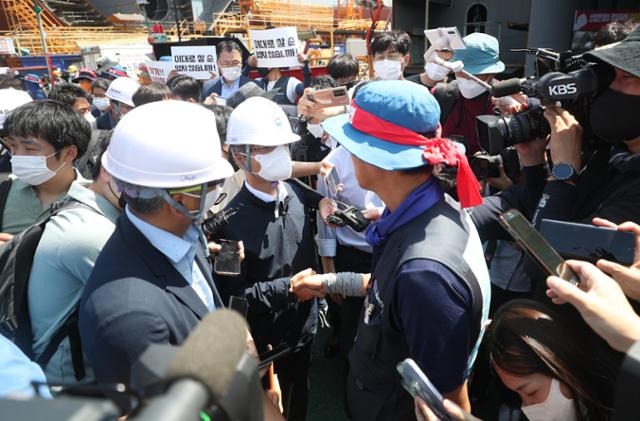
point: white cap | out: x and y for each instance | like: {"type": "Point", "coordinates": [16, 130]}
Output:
{"type": "Point", "coordinates": [258, 121]}
{"type": "Point", "coordinates": [11, 99]}
{"type": "Point", "coordinates": [166, 144]}
{"type": "Point", "coordinates": [122, 90]}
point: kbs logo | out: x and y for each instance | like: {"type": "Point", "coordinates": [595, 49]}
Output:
{"type": "Point", "coordinates": [562, 90]}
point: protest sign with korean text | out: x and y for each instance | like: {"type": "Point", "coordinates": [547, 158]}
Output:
{"type": "Point", "coordinates": [199, 61]}
{"type": "Point", "coordinates": [159, 70]}
{"type": "Point", "coordinates": [277, 47]}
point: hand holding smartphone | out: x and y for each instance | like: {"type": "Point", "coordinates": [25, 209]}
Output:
{"type": "Point", "coordinates": [536, 246]}
{"type": "Point", "coordinates": [227, 261]}
{"type": "Point", "coordinates": [330, 97]}
{"type": "Point", "coordinates": [417, 384]}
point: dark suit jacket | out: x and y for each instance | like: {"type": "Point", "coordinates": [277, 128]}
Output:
{"type": "Point", "coordinates": [135, 297]}
{"type": "Point", "coordinates": [215, 85]}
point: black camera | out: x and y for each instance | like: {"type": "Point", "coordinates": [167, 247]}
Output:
{"type": "Point", "coordinates": [569, 80]}
{"type": "Point", "coordinates": [212, 225]}
{"type": "Point", "coordinates": [485, 165]}
{"type": "Point", "coordinates": [497, 132]}
{"type": "Point", "coordinates": [348, 216]}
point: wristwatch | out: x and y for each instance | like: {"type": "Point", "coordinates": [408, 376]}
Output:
{"type": "Point", "coordinates": [564, 172]}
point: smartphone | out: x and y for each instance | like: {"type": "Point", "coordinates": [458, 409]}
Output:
{"type": "Point", "coordinates": [535, 245]}
{"type": "Point", "coordinates": [276, 353]}
{"type": "Point", "coordinates": [239, 304]}
{"type": "Point", "coordinates": [333, 183]}
{"type": "Point", "coordinates": [418, 384]}
{"type": "Point", "coordinates": [450, 34]}
{"type": "Point", "coordinates": [330, 97]}
{"type": "Point", "coordinates": [227, 261]}
{"type": "Point", "coordinates": [588, 242]}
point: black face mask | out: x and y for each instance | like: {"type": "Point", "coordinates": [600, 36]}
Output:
{"type": "Point", "coordinates": [263, 71]}
{"type": "Point", "coordinates": [614, 116]}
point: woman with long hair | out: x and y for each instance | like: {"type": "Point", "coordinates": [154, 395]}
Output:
{"type": "Point", "coordinates": [558, 366]}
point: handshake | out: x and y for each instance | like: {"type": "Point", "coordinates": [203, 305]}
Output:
{"type": "Point", "coordinates": [308, 284]}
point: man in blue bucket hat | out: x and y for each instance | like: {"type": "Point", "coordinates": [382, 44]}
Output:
{"type": "Point", "coordinates": [428, 296]}
{"type": "Point", "coordinates": [464, 99]}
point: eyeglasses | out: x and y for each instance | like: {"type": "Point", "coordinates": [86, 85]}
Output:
{"type": "Point", "coordinates": [198, 188]}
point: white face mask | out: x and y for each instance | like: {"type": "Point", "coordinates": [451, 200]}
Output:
{"type": "Point", "coordinates": [231, 73]}
{"type": "Point", "coordinates": [101, 103]}
{"type": "Point", "coordinates": [32, 170]}
{"type": "Point", "coordinates": [91, 120]}
{"type": "Point", "coordinates": [388, 69]}
{"type": "Point", "coordinates": [436, 72]}
{"type": "Point", "coordinates": [470, 88]}
{"type": "Point", "coordinates": [316, 130]}
{"type": "Point", "coordinates": [276, 165]}
{"type": "Point", "coordinates": [555, 408]}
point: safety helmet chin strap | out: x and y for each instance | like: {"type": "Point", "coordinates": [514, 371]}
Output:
{"type": "Point", "coordinates": [166, 195]}
{"type": "Point", "coordinates": [247, 153]}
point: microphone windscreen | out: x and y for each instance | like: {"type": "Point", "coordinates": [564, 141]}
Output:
{"type": "Point", "coordinates": [212, 351]}
{"type": "Point", "coordinates": [506, 87]}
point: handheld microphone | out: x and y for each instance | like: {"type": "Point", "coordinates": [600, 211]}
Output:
{"type": "Point", "coordinates": [210, 368]}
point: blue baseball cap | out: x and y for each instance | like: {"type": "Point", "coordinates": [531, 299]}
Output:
{"type": "Point", "coordinates": [387, 106]}
{"type": "Point", "coordinates": [482, 55]}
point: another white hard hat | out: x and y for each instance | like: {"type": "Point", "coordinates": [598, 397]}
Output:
{"type": "Point", "coordinates": [166, 144]}
{"type": "Point", "coordinates": [11, 99]}
{"type": "Point", "coordinates": [122, 90]}
{"type": "Point", "coordinates": [258, 121]}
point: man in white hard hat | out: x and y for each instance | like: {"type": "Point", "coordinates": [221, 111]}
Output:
{"type": "Point", "coordinates": [273, 222]}
{"type": "Point", "coordinates": [120, 94]}
{"type": "Point", "coordinates": [152, 282]}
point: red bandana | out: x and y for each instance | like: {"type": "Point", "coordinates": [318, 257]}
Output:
{"type": "Point", "coordinates": [436, 150]}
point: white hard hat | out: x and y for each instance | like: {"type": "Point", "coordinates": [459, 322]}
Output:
{"type": "Point", "coordinates": [122, 90]}
{"type": "Point", "coordinates": [11, 99]}
{"type": "Point", "coordinates": [166, 144]}
{"type": "Point", "coordinates": [258, 121]}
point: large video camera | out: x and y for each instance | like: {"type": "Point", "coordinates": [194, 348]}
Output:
{"type": "Point", "coordinates": [562, 77]}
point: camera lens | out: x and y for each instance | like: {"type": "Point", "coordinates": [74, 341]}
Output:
{"type": "Point", "coordinates": [498, 132]}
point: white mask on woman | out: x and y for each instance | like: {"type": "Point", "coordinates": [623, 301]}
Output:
{"type": "Point", "coordinates": [555, 408]}
{"type": "Point", "coordinates": [388, 69]}
{"type": "Point", "coordinates": [469, 88]}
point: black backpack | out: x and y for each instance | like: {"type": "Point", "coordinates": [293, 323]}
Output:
{"type": "Point", "coordinates": [16, 261]}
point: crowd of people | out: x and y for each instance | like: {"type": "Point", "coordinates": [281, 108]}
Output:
{"type": "Point", "coordinates": [107, 183]}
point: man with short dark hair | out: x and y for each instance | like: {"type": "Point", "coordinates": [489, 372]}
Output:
{"type": "Point", "coordinates": [151, 92]}
{"type": "Point", "coordinates": [344, 69]}
{"type": "Point", "coordinates": [390, 53]}
{"type": "Point", "coordinates": [45, 138]}
{"type": "Point", "coordinates": [73, 95]}
{"type": "Point", "coordinates": [62, 263]}
{"type": "Point", "coordinates": [185, 88]}
{"type": "Point", "coordinates": [230, 64]}
{"type": "Point", "coordinates": [100, 102]}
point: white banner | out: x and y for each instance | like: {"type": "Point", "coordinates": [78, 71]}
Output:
{"type": "Point", "coordinates": [198, 62]}
{"type": "Point", "coordinates": [277, 47]}
{"type": "Point", "coordinates": [6, 46]}
{"type": "Point", "coordinates": [159, 70]}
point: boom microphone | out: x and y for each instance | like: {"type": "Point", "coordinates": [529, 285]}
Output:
{"type": "Point", "coordinates": [211, 368]}
{"type": "Point", "coordinates": [506, 87]}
